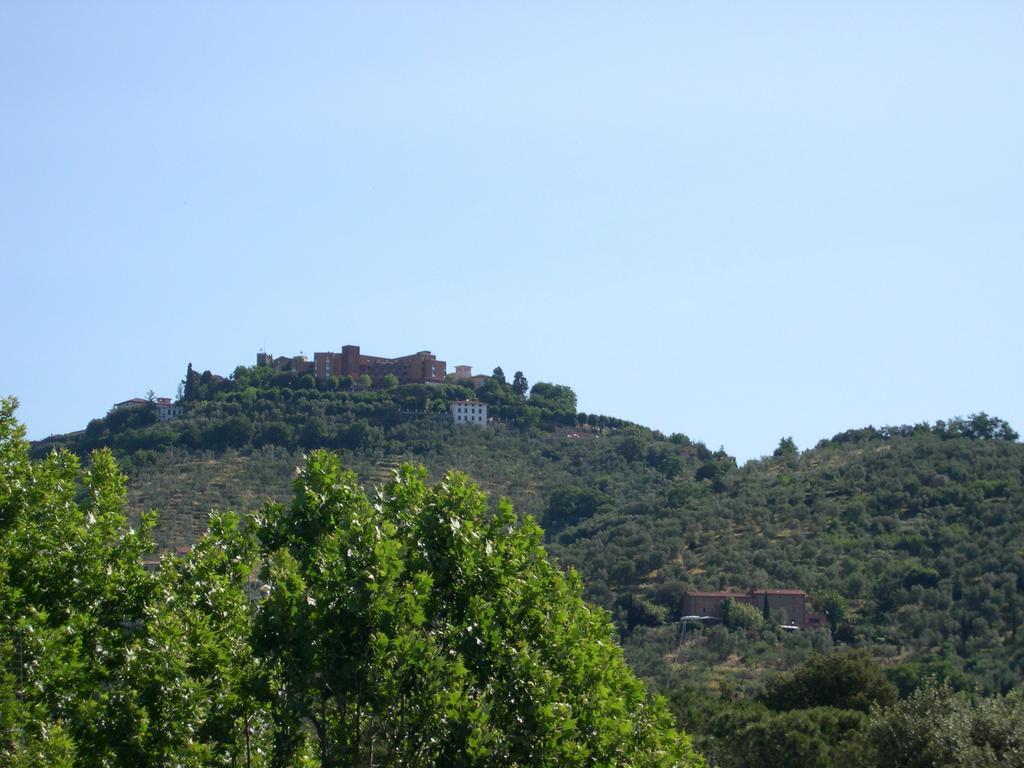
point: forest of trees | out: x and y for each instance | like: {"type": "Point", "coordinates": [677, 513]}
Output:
{"type": "Point", "coordinates": [909, 538]}
{"type": "Point", "coordinates": [840, 710]}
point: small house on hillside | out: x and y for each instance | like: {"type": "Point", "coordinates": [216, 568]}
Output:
{"type": "Point", "coordinates": [709, 604]}
{"type": "Point", "coordinates": [135, 402]}
{"type": "Point", "coordinates": [469, 412]}
{"type": "Point", "coordinates": [165, 408]}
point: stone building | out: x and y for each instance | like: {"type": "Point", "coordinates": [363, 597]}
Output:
{"type": "Point", "coordinates": [164, 406]}
{"type": "Point", "coordinates": [418, 368]}
{"type": "Point", "coordinates": [464, 375]}
{"type": "Point", "coordinates": [709, 604]}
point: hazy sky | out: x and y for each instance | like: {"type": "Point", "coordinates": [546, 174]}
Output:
{"type": "Point", "coordinates": [735, 220]}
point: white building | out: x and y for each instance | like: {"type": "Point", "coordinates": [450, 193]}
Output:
{"type": "Point", "coordinates": [469, 412]}
{"type": "Point", "coordinates": [166, 410]}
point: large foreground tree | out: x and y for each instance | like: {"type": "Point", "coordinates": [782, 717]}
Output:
{"type": "Point", "coordinates": [424, 629]}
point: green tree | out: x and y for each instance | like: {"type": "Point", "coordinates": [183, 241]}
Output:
{"type": "Point", "coordinates": [806, 737]}
{"type": "Point", "coordinates": [571, 506]}
{"type": "Point", "coordinates": [192, 675]}
{"type": "Point", "coordinates": [936, 727]}
{"type": "Point", "coordinates": [786, 448]}
{"type": "Point", "coordinates": [495, 393]}
{"type": "Point", "coordinates": [981, 426]}
{"type": "Point", "coordinates": [106, 664]}
{"type": "Point", "coordinates": [191, 390]}
{"type": "Point", "coordinates": [423, 630]}
{"type": "Point", "coordinates": [845, 680]}
{"type": "Point", "coordinates": [740, 615]}
{"type": "Point", "coordinates": [553, 397]}
{"type": "Point", "coordinates": [716, 471]}
{"type": "Point", "coordinates": [519, 384]}
{"type": "Point", "coordinates": [498, 375]}
{"type": "Point", "coordinates": [72, 596]}
{"type": "Point", "coordinates": [834, 605]}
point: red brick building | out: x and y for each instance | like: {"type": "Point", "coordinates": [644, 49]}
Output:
{"type": "Point", "coordinates": [419, 368]}
{"type": "Point", "coordinates": [792, 601]}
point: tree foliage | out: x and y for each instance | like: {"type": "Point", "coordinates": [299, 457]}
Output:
{"type": "Point", "coordinates": [915, 528]}
{"type": "Point", "coordinates": [556, 397]}
{"type": "Point", "coordinates": [111, 665]}
{"type": "Point", "coordinates": [848, 680]}
{"type": "Point", "coordinates": [935, 726]}
{"type": "Point", "coordinates": [519, 384]}
{"type": "Point", "coordinates": [428, 631]}
{"type": "Point", "coordinates": [740, 615]}
{"type": "Point", "coordinates": [420, 629]}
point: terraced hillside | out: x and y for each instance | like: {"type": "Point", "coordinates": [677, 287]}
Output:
{"type": "Point", "coordinates": [912, 536]}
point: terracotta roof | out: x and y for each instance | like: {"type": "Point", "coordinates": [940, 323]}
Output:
{"type": "Point", "coordinates": [133, 401]}
{"type": "Point", "coordinates": [714, 594]}
{"type": "Point", "coordinates": [748, 592]}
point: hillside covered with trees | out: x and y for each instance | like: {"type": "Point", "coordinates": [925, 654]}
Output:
{"type": "Point", "coordinates": [909, 538]}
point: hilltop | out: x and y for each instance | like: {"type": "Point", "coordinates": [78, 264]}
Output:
{"type": "Point", "coordinates": [239, 438]}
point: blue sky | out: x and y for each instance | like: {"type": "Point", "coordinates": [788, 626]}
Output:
{"type": "Point", "coordinates": [735, 220]}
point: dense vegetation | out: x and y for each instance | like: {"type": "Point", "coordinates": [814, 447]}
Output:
{"type": "Point", "coordinates": [910, 538]}
{"type": "Point", "coordinates": [840, 710]}
{"type": "Point", "coordinates": [261, 406]}
{"type": "Point", "coordinates": [417, 629]}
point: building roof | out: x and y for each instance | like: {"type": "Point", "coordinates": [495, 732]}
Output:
{"type": "Point", "coordinates": [133, 401]}
{"type": "Point", "coordinates": [468, 402]}
{"type": "Point", "coordinates": [728, 593]}
{"type": "Point", "coordinates": [714, 594]}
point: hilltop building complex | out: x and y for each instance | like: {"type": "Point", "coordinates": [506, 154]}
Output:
{"type": "Point", "coordinates": [418, 368]}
